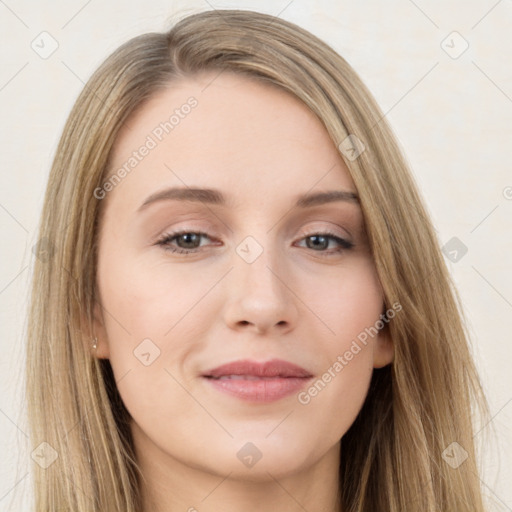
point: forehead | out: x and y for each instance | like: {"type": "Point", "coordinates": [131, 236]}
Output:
{"type": "Point", "coordinates": [240, 135]}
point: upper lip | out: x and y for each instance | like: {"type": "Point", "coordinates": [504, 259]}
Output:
{"type": "Point", "coordinates": [272, 368]}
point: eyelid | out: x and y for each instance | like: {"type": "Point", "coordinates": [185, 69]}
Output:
{"type": "Point", "coordinates": [185, 226]}
{"type": "Point", "coordinates": [334, 230]}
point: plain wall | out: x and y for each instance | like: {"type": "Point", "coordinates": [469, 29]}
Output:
{"type": "Point", "coordinates": [451, 113]}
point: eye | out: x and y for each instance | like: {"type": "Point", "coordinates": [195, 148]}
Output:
{"type": "Point", "coordinates": [187, 242]}
{"type": "Point", "coordinates": [319, 241]}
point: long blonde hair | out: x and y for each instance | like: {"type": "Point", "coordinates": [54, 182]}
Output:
{"type": "Point", "coordinates": [392, 456]}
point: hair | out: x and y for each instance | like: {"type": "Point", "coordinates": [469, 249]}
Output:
{"type": "Point", "coordinates": [392, 455]}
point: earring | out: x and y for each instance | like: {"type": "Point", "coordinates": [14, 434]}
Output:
{"type": "Point", "coordinates": [95, 343]}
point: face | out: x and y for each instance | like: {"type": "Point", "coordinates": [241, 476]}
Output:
{"type": "Point", "coordinates": [253, 276]}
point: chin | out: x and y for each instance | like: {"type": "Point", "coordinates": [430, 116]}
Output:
{"type": "Point", "coordinates": [257, 460]}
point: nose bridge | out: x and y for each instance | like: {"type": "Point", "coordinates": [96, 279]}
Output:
{"type": "Point", "coordinates": [258, 289]}
{"type": "Point", "coordinates": [258, 264]}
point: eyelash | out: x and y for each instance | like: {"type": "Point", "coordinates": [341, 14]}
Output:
{"type": "Point", "coordinates": [168, 237]}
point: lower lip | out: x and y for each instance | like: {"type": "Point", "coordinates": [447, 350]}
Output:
{"type": "Point", "coordinates": [264, 390]}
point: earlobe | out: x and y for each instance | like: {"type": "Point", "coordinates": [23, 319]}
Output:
{"type": "Point", "coordinates": [99, 348]}
{"type": "Point", "coordinates": [98, 344]}
{"type": "Point", "coordinates": [383, 350]}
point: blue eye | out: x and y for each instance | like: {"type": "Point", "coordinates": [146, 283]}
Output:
{"type": "Point", "coordinates": [188, 242]}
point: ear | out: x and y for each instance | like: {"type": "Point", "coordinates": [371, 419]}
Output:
{"type": "Point", "coordinates": [97, 330]}
{"type": "Point", "coordinates": [383, 349]}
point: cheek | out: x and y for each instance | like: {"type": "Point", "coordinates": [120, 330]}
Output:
{"type": "Point", "coordinates": [335, 396]}
{"type": "Point", "coordinates": [145, 299]}
{"type": "Point", "coordinates": [346, 302]}
{"type": "Point", "coordinates": [150, 315]}
{"type": "Point", "coordinates": [349, 307]}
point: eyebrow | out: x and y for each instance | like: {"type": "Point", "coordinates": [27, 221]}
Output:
{"type": "Point", "coordinates": [216, 197]}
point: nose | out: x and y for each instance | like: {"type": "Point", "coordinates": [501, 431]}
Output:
{"type": "Point", "coordinates": [261, 297]}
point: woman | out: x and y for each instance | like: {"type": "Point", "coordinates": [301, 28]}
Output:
{"type": "Point", "coordinates": [309, 355]}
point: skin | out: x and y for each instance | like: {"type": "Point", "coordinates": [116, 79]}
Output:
{"type": "Point", "coordinates": [261, 147]}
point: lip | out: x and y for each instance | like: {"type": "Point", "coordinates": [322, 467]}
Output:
{"type": "Point", "coordinates": [258, 382]}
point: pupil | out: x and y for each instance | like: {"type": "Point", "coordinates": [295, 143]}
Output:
{"type": "Point", "coordinates": [316, 238]}
{"type": "Point", "coordinates": [186, 237]}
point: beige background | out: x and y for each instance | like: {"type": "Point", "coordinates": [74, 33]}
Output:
{"type": "Point", "coordinates": [451, 111]}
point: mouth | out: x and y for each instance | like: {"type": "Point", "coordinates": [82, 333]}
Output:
{"type": "Point", "coordinates": [258, 382]}
{"type": "Point", "coordinates": [246, 377]}
{"type": "Point", "coordinates": [269, 369]}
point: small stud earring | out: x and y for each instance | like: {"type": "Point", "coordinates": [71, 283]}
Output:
{"type": "Point", "coordinates": [95, 343]}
